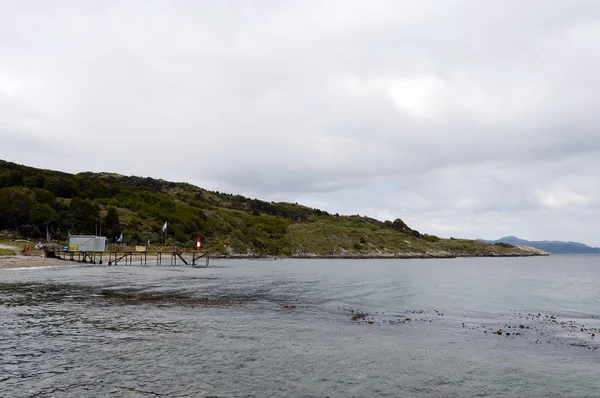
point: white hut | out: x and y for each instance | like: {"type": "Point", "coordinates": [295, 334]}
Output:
{"type": "Point", "coordinates": [87, 243]}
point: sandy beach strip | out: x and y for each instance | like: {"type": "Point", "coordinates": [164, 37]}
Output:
{"type": "Point", "coordinates": [17, 261]}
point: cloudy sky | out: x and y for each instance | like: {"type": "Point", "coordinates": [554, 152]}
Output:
{"type": "Point", "coordinates": [465, 118]}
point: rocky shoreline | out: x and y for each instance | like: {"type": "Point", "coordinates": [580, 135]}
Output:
{"type": "Point", "coordinates": [403, 256]}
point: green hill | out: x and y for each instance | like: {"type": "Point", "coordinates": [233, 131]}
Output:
{"type": "Point", "coordinates": [38, 203]}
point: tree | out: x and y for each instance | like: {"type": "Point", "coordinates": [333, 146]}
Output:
{"type": "Point", "coordinates": [112, 218]}
{"type": "Point", "coordinates": [112, 222]}
{"type": "Point", "coordinates": [42, 214]}
{"type": "Point", "coordinates": [63, 187]}
{"type": "Point", "coordinates": [400, 226]}
{"type": "Point", "coordinates": [35, 181]}
{"type": "Point", "coordinates": [44, 196]}
{"type": "Point", "coordinates": [16, 177]}
{"type": "Point", "coordinates": [14, 207]}
{"type": "Point", "coordinates": [85, 215]}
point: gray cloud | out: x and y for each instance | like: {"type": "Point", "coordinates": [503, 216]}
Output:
{"type": "Point", "coordinates": [464, 118]}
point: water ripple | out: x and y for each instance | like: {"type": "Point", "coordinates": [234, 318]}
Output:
{"type": "Point", "coordinates": [286, 328]}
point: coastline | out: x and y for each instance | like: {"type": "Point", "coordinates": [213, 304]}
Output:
{"type": "Point", "coordinates": [23, 261]}
{"type": "Point", "coordinates": [374, 257]}
{"type": "Point", "coordinates": [519, 251]}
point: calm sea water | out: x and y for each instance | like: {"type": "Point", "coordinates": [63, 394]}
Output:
{"type": "Point", "coordinates": [286, 328]}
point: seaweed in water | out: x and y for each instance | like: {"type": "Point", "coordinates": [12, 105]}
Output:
{"type": "Point", "coordinates": [18, 294]}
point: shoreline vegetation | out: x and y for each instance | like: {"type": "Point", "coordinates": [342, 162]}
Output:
{"type": "Point", "coordinates": [46, 205]}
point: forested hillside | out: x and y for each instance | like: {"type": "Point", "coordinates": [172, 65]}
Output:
{"type": "Point", "coordinates": [38, 203]}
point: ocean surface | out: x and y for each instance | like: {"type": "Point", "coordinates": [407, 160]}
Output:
{"type": "Point", "coordinates": [485, 327]}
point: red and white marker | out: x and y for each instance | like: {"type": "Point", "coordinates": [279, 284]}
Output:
{"type": "Point", "coordinates": [198, 245]}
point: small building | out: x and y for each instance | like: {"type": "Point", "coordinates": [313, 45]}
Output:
{"type": "Point", "coordinates": [87, 243]}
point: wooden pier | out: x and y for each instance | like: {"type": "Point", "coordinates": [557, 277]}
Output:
{"type": "Point", "coordinates": [131, 257]}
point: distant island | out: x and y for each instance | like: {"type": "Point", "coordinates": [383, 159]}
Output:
{"type": "Point", "coordinates": [50, 205]}
{"type": "Point", "coordinates": [554, 247]}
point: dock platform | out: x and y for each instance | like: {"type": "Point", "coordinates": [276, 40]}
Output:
{"type": "Point", "coordinates": [132, 257]}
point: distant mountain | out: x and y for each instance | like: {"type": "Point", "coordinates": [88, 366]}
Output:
{"type": "Point", "coordinates": [555, 247]}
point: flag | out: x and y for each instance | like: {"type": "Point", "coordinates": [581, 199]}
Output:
{"type": "Point", "coordinates": [120, 238]}
{"type": "Point", "coordinates": [164, 228]}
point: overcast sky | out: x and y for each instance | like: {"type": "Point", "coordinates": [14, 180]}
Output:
{"type": "Point", "coordinates": [473, 119]}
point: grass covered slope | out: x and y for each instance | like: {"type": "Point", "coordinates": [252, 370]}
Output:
{"type": "Point", "coordinates": [323, 239]}
{"type": "Point", "coordinates": [37, 203]}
